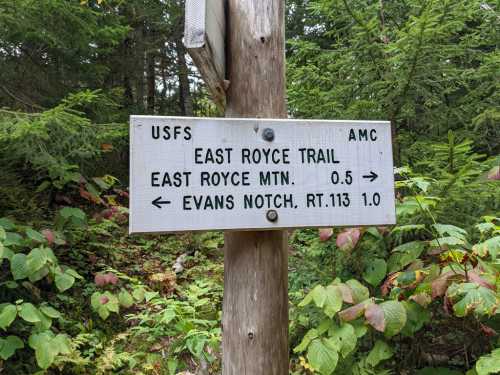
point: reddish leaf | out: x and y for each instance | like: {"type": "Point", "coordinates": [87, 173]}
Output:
{"type": "Point", "coordinates": [388, 283]}
{"type": "Point", "coordinates": [440, 285]}
{"type": "Point", "coordinates": [488, 331]}
{"type": "Point", "coordinates": [352, 312]}
{"type": "Point", "coordinates": [103, 300]}
{"type": "Point", "coordinates": [49, 236]}
{"type": "Point", "coordinates": [383, 230]}
{"type": "Point", "coordinates": [374, 314]}
{"type": "Point", "coordinates": [348, 239]}
{"type": "Point", "coordinates": [475, 278]}
{"type": "Point", "coordinates": [105, 279]}
{"type": "Point", "coordinates": [325, 234]}
{"type": "Point", "coordinates": [346, 293]}
{"type": "Point", "coordinates": [423, 299]}
{"type": "Point", "coordinates": [494, 174]}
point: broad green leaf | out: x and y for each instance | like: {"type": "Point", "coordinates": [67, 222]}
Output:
{"type": "Point", "coordinates": [488, 247]}
{"type": "Point", "coordinates": [489, 364]}
{"type": "Point", "coordinates": [359, 292]}
{"type": "Point", "coordinates": [6, 224]}
{"type": "Point", "coordinates": [7, 315]}
{"type": "Point", "coordinates": [50, 312]}
{"type": "Point", "coordinates": [138, 294]}
{"type": "Point", "coordinates": [333, 300]}
{"type": "Point", "coordinates": [35, 235]}
{"type": "Point", "coordinates": [35, 260]}
{"type": "Point", "coordinates": [306, 340]}
{"type": "Point", "coordinates": [380, 352]}
{"type": "Point", "coordinates": [9, 345]}
{"type": "Point", "coordinates": [62, 343]}
{"type": "Point", "coordinates": [344, 338]}
{"type": "Point", "coordinates": [29, 313]}
{"type": "Point", "coordinates": [38, 275]}
{"type": "Point", "coordinates": [447, 241]}
{"type": "Point", "coordinates": [103, 312]}
{"type": "Point", "coordinates": [18, 267]}
{"type": "Point", "coordinates": [472, 297]}
{"type": "Point", "coordinates": [125, 298]}
{"type": "Point", "coordinates": [395, 317]}
{"type": "Point", "coordinates": [322, 356]}
{"type": "Point", "coordinates": [319, 296]}
{"type": "Point", "coordinates": [416, 317]}
{"type": "Point", "coordinates": [404, 255]}
{"type": "Point", "coordinates": [64, 281]}
{"type": "Point", "coordinates": [45, 355]}
{"type": "Point", "coordinates": [3, 236]}
{"type": "Point", "coordinates": [375, 271]}
{"type": "Point", "coordinates": [13, 239]}
{"type": "Point", "coordinates": [450, 230]}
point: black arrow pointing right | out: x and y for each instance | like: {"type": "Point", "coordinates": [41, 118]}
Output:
{"type": "Point", "coordinates": [372, 176]}
{"type": "Point", "coordinates": [158, 202]}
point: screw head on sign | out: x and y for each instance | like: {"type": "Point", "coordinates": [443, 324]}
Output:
{"type": "Point", "coordinates": [272, 216]}
{"type": "Point", "coordinates": [268, 134]}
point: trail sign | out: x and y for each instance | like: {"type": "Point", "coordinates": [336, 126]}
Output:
{"type": "Point", "coordinates": [208, 173]}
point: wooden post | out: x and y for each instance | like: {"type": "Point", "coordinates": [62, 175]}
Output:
{"type": "Point", "coordinates": [255, 311]}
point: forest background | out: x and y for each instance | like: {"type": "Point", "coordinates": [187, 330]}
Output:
{"type": "Point", "coordinates": [80, 296]}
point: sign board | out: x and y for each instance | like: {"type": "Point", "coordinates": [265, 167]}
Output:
{"type": "Point", "coordinates": [204, 38]}
{"type": "Point", "coordinates": [211, 173]}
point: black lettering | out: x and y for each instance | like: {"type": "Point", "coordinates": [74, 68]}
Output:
{"type": "Point", "coordinates": [373, 135]}
{"type": "Point", "coordinates": [187, 133]}
{"type": "Point", "coordinates": [154, 179]}
{"type": "Point", "coordinates": [186, 203]}
{"type": "Point", "coordinates": [155, 132]}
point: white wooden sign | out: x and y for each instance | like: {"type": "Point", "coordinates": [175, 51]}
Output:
{"type": "Point", "coordinates": [204, 38]}
{"type": "Point", "coordinates": [211, 173]}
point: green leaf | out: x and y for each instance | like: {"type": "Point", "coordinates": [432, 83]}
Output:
{"type": "Point", "coordinates": [45, 355]}
{"type": "Point", "coordinates": [322, 356]}
{"type": "Point", "coordinates": [306, 340]}
{"type": "Point", "coordinates": [18, 267]}
{"type": "Point", "coordinates": [472, 297]}
{"type": "Point", "coordinates": [9, 345]}
{"type": "Point", "coordinates": [63, 344]}
{"type": "Point", "coordinates": [7, 315]}
{"type": "Point", "coordinates": [50, 312]}
{"type": "Point", "coordinates": [35, 260]}
{"type": "Point", "coordinates": [319, 296]}
{"type": "Point", "coordinates": [30, 313]}
{"type": "Point", "coordinates": [488, 247]}
{"type": "Point", "coordinates": [3, 236]}
{"type": "Point", "coordinates": [404, 255]}
{"type": "Point", "coordinates": [103, 312]}
{"type": "Point", "coordinates": [344, 338]}
{"type": "Point", "coordinates": [125, 298]}
{"type": "Point", "coordinates": [380, 352]}
{"type": "Point", "coordinates": [13, 239]}
{"type": "Point", "coordinates": [489, 364]}
{"type": "Point", "coordinates": [395, 317]}
{"type": "Point", "coordinates": [451, 230]}
{"type": "Point", "coordinates": [138, 294]}
{"type": "Point", "coordinates": [360, 292]}
{"type": "Point", "coordinates": [375, 271]}
{"type": "Point", "coordinates": [34, 235]}
{"type": "Point", "coordinates": [6, 224]}
{"type": "Point", "coordinates": [416, 317]}
{"type": "Point", "coordinates": [64, 281]}
{"type": "Point", "coordinates": [333, 300]}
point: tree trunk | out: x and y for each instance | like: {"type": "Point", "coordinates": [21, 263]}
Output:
{"type": "Point", "coordinates": [151, 79]}
{"type": "Point", "coordinates": [186, 102]}
{"type": "Point", "coordinates": [255, 311]}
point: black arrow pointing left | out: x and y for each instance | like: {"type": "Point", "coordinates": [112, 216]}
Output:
{"type": "Point", "coordinates": [158, 202]}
